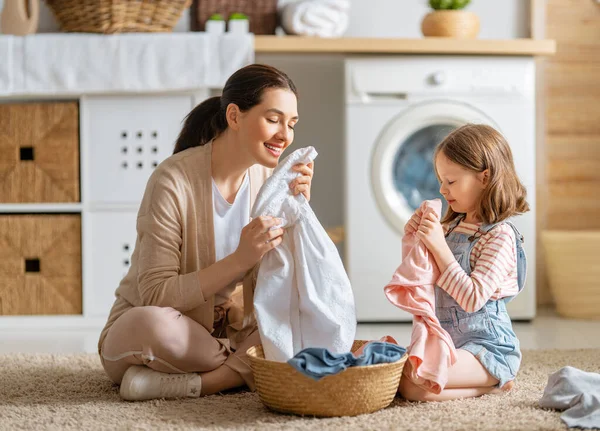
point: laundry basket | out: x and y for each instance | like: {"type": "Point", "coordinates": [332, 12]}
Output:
{"type": "Point", "coordinates": [573, 267]}
{"type": "Point", "coordinates": [354, 391]}
{"type": "Point", "coordinates": [118, 16]}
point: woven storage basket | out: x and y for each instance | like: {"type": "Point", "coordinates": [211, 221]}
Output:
{"type": "Point", "coordinates": [573, 266]}
{"type": "Point", "coordinates": [41, 264]}
{"type": "Point", "coordinates": [354, 391]}
{"type": "Point", "coordinates": [39, 152]}
{"type": "Point", "coordinates": [262, 14]}
{"type": "Point", "coordinates": [117, 16]}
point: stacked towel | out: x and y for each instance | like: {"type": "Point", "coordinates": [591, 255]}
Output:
{"type": "Point", "coordinates": [431, 351]}
{"type": "Point", "coordinates": [303, 297]}
{"type": "Point", "coordinates": [323, 18]}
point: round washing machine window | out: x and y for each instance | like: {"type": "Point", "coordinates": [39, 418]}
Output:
{"type": "Point", "coordinates": [402, 171]}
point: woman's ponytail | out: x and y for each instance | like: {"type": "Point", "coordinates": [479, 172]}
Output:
{"type": "Point", "coordinates": [203, 123]}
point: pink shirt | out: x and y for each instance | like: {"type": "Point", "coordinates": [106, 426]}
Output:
{"type": "Point", "coordinates": [493, 269]}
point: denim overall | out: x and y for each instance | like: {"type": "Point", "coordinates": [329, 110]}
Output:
{"type": "Point", "coordinates": [486, 333]}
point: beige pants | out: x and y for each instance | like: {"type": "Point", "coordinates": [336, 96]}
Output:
{"type": "Point", "coordinates": [165, 340]}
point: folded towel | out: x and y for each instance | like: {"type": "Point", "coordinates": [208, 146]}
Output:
{"type": "Point", "coordinates": [578, 393]}
{"type": "Point", "coordinates": [323, 18]}
{"type": "Point", "coordinates": [303, 297]}
{"type": "Point", "coordinates": [317, 363]}
{"type": "Point", "coordinates": [431, 351]}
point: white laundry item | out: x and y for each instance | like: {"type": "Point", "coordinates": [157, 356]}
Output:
{"type": "Point", "coordinates": [323, 18]}
{"type": "Point", "coordinates": [82, 63]}
{"type": "Point", "coordinates": [303, 296]}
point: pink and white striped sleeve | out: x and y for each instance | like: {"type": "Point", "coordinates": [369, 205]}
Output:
{"type": "Point", "coordinates": [496, 261]}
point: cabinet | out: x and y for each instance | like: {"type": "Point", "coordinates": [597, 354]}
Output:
{"type": "Point", "coordinates": [72, 175]}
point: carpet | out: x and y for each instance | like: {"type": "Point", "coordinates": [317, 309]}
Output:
{"type": "Point", "coordinates": [71, 392]}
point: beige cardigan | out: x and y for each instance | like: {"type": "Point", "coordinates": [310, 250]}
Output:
{"type": "Point", "coordinates": [175, 239]}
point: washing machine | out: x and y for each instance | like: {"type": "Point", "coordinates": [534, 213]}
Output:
{"type": "Point", "coordinates": [397, 110]}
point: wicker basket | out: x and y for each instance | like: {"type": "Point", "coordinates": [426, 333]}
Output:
{"type": "Point", "coordinates": [355, 391]}
{"type": "Point", "coordinates": [118, 16]}
{"type": "Point", "coordinates": [573, 265]}
{"type": "Point", "coordinates": [262, 14]}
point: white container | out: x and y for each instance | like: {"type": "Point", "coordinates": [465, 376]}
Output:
{"type": "Point", "coordinates": [215, 26]}
{"type": "Point", "coordinates": [238, 26]}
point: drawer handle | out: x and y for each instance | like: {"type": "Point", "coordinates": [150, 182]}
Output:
{"type": "Point", "coordinates": [27, 153]}
{"type": "Point", "coordinates": [32, 265]}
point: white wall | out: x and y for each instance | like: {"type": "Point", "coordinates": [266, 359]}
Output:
{"type": "Point", "coordinates": [504, 19]}
{"type": "Point", "coordinates": [320, 78]}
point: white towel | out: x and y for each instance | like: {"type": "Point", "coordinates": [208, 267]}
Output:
{"type": "Point", "coordinates": [323, 18]}
{"type": "Point", "coordinates": [303, 297]}
{"type": "Point", "coordinates": [82, 63]}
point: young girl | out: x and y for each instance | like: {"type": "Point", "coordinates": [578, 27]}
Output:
{"type": "Point", "coordinates": [481, 261]}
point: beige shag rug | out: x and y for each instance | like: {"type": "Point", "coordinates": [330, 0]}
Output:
{"type": "Point", "coordinates": [71, 392]}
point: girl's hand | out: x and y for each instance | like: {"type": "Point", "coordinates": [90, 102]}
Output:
{"type": "Point", "coordinates": [257, 238]}
{"type": "Point", "coordinates": [431, 232]}
{"type": "Point", "coordinates": [302, 183]}
{"type": "Point", "coordinates": [413, 224]}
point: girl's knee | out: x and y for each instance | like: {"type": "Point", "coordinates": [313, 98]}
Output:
{"type": "Point", "coordinates": [412, 392]}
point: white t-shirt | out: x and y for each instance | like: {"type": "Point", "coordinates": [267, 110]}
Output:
{"type": "Point", "coordinates": [229, 220]}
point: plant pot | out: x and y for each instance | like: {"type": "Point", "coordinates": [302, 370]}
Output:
{"type": "Point", "coordinates": [215, 26]}
{"type": "Point", "coordinates": [573, 267]}
{"type": "Point", "coordinates": [457, 24]}
{"type": "Point", "coordinates": [238, 26]}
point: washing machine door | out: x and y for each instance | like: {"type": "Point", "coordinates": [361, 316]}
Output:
{"type": "Point", "coordinates": [402, 172]}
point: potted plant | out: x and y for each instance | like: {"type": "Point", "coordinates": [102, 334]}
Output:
{"type": "Point", "coordinates": [238, 23]}
{"type": "Point", "coordinates": [215, 24]}
{"type": "Point", "coordinates": [449, 20]}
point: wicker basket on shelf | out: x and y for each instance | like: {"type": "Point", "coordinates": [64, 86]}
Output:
{"type": "Point", "coordinates": [354, 391]}
{"type": "Point", "coordinates": [262, 14]}
{"type": "Point", "coordinates": [118, 16]}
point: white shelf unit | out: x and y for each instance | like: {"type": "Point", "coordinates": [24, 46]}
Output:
{"type": "Point", "coordinates": [123, 137]}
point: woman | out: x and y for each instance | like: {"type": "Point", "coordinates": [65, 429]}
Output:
{"type": "Point", "coordinates": [170, 332]}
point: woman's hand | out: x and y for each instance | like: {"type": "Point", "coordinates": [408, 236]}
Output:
{"type": "Point", "coordinates": [302, 183]}
{"type": "Point", "coordinates": [256, 239]}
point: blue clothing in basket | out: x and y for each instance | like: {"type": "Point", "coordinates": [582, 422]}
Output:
{"type": "Point", "coordinates": [317, 362]}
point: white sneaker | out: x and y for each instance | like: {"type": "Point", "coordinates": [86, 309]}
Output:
{"type": "Point", "coordinates": [143, 383]}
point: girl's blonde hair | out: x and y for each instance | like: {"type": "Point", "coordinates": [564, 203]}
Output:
{"type": "Point", "coordinates": [478, 147]}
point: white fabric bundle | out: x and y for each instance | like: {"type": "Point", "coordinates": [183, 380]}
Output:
{"type": "Point", "coordinates": [83, 63]}
{"type": "Point", "coordinates": [303, 297]}
{"type": "Point", "coordinates": [323, 18]}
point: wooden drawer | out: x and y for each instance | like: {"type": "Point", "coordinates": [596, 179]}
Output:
{"type": "Point", "coordinates": [39, 152]}
{"type": "Point", "coordinates": [40, 264]}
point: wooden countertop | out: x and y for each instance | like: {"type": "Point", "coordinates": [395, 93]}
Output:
{"type": "Point", "coordinates": [429, 45]}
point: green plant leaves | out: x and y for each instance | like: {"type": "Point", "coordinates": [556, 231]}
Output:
{"type": "Point", "coordinates": [448, 4]}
